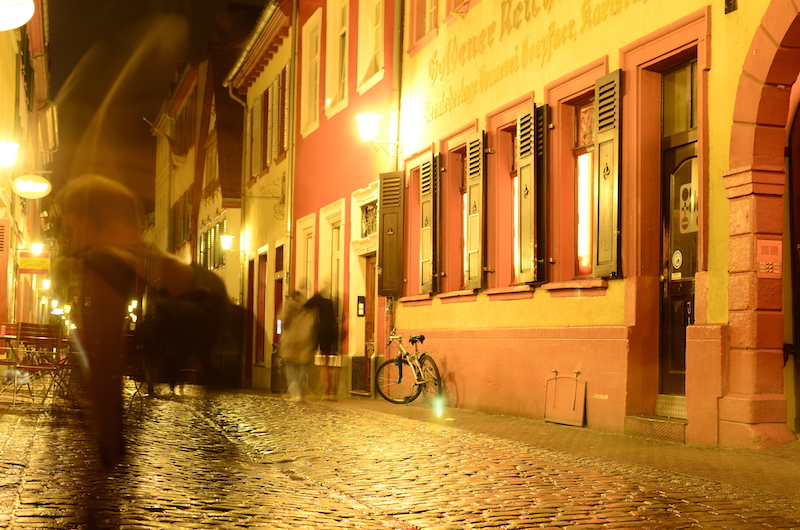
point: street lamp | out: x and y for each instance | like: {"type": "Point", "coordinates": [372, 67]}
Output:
{"type": "Point", "coordinates": [15, 13]}
{"type": "Point", "coordinates": [226, 240]}
{"type": "Point", "coordinates": [8, 153]}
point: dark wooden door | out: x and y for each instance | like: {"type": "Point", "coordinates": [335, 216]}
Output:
{"type": "Point", "coordinates": [369, 320]}
{"type": "Point", "coordinates": [679, 262]}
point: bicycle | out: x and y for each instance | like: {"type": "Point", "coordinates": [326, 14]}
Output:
{"type": "Point", "coordinates": [401, 388]}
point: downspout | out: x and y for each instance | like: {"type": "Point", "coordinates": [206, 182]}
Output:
{"type": "Point", "coordinates": [397, 84]}
{"type": "Point", "coordinates": [289, 183]}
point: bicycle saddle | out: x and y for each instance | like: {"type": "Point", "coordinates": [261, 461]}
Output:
{"type": "Point", "coordinates": [416, 338]}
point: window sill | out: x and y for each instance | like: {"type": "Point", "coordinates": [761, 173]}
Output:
{"type": "Point", "coordinates": [512, 292]}
{"type": "Point", "coordinates": [416, 300]}
{"type": "Point", "coordinates": [466, 295]}
{"type": "Point", "coordinates": [589, 287]}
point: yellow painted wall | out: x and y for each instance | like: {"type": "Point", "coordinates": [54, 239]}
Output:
{"type": "Point", "coordinates": [502, 50]}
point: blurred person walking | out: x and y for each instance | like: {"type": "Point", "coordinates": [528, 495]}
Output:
{"type": "Point", "coordinates": [327, 341]}
{"type": "Point", "coordinates": [106, 265]}
{"type": "Point", "coordinates": [298, 342]}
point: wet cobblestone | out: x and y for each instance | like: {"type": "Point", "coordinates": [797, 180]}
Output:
{"type": "Point", "coordinates": [240, 460]}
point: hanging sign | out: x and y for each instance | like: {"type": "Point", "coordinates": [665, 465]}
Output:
{"type": "Point", "coordinates": [30, 263]}
{"type": "Point", "coordinates": [31, 186]}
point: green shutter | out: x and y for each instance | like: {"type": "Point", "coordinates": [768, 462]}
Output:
{"type": "Point", "coordinates": [608, 102]}
{"type": "Point", "coordinates": [526, 194]}
{"type": "Point", "coordinates": [390, 230]}
{"type": "Point", "coordinates": [428, 195]}
{"type": "Point", "coordinates": [476, 184]}
{"type": "Point", "coordinates": [255, 152]}
{"type": "Point", "coordinates": [541, 135]}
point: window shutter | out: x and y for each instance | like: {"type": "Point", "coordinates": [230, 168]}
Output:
{"type": "Point", "coordinates": [274, 113]}
{"type": "Point", "coordinates": [476, 174]}
{"type": "Point", "coordinates": [284, 128]}
{"type": "Point", "coordinates": [390, 231]}
{"type": "Point", "coordinates": [541, 137]}
{"type": "Point", "coordinates": [526, 193]}
{"type": "Point", "coordinates": [258, 118]}
{"type": "Point", "coordinates": [428, 195]}
{"type": "Point", "coordinates": [248, 139]}
{"type": "Point", "coordinates": [266, 142]}
{"type": "Point", "coordinates": [607, 147]}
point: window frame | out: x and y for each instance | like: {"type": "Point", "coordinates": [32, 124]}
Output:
{"type": "Point", "coordinates": [337, 56]}
{"type": "Point", "coordinates": [563, 96]}
{"type": "Point", "coordinates": [370, 44]}
{"type": "Point", "coordinates": [310, 87]}
{"type": "Point", "coordinates": [421, 30]}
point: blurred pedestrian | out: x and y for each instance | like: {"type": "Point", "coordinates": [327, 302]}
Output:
{"type": "Point", "coordinates": [298, 342]}
{"type": "Point", "coordinates": [327, 342]}
{"type": "Point", "coordinates": [106, 265]}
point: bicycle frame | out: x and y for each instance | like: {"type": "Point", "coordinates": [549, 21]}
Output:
{"type": "Point", "coordinates": [412, 358]}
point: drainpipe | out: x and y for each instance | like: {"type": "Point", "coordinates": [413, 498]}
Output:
{"type": "Point", "coordinates": [397, 74]}
{"type": "Point", "coordinates": [292, 154]}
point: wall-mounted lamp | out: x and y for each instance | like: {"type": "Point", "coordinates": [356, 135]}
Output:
{"type": "Point", "coordinates": [46, 284]}
{"type": "Point", "coordinates": [37, 248]}
{"type": "Point", "coordinates": [368, 124]}
{"type": "Point", "coordinates": [8, 153]}
{"type": "Point", "coordinates": [15, 13]}
{"type": "Point", "coordinates": [226, 240]}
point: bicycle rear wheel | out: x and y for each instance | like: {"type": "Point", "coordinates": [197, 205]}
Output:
{"type": "Point", "coordinates": [431, 385]}
{"type": "Point", "coordinates": [395, 382]}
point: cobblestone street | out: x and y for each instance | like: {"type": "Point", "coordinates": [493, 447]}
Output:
{"type": "Point", "coordinates": [247, 460]}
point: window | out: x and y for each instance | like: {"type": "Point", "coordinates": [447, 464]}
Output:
{"type": "Point", "coordinates": [585, 179]}
{"type": "Point", "coordinates": [184, 123]}
{"type": "Point", "coordinates": [337, 51]}
{"type": "Point", "coordinates": [210, 253]}
{"type": "Point", "coordinates": [424, 21]}
{"type": "Point", "coordinates": [583, 154]}
{"type": "Point", "coordinates": [305, 250]}
{"type": "Point", "coordinates": [256, 138]}
{"type": "Point", "coordinates": [370, 42]}
{"type": "Point", "coordinates": [180, 221]}
{"type": "Point", "coordinates": [310, 86]}
{"type": "Point", "coordinates": [274, 136]}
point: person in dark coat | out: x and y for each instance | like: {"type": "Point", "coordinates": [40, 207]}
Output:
{"type": "Point", "coordinates": [328, 358]}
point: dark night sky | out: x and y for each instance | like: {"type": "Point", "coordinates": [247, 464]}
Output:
{"type": "Point", "coordinates": [111, 65]}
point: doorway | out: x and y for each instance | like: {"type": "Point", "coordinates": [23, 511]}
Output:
{"type": "Point", "coordinates": [679, 217]}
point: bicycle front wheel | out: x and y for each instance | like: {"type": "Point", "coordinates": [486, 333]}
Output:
{"type": "Point", "coordinates": [395, 382]}
{"type": "Point", "coordinates": [431, 381]}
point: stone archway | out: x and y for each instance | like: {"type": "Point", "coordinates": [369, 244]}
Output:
{"type": "Point", "coordinates": [753, 412]}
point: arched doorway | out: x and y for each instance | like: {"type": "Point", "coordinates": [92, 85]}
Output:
{"type": "Point", "coordinates": [754, 410]}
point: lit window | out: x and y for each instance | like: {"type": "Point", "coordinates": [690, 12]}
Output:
{"type": "Point", "coordinates": [583, 153]}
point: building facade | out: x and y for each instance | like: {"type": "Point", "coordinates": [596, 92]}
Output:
{"type": "Point", "coordinates": [594, 213]}
{"type": "Point", "coordinates": [28, 119]}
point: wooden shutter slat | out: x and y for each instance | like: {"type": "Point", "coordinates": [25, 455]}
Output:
{"type": "Point", "coordinates": [606, 229]}
{"type": "Point", "coordinates": [526, 194]}
{"type": "Point", "coordinates": [390, 234]}
{"type": "Point", "coordinates": [476, 184]}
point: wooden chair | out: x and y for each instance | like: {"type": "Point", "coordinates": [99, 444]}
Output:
{"type": "Point", "coordinates": [39, 352]}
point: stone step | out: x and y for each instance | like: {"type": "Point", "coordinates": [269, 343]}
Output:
{"type": "Point", "coordinates": [658, 427]}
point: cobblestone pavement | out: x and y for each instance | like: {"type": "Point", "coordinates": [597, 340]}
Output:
{"type": "Point", "coordinates": [245, 460]}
